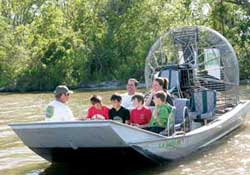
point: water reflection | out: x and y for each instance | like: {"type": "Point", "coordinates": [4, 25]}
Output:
{"type": "Point", "coordinates": [64, 169]}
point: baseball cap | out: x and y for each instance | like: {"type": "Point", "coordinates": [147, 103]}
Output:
{"type": "Point", "coordinates": [62, 89]}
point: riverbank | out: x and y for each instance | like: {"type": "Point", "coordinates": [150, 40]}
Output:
{"type": "Point", "coordinates": [106, 85]}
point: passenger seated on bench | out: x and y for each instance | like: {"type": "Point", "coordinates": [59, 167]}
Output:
{"type": "Point", "coordinates": [161, 113]}
{"type": "Point", "coordinates": [140, 115]}
{"type": "Point", "coordinates": [159, 84]}
{"type": "Point", "coordinates": [118, 112]}
{"type": "Point", "coordinates": [97, 111]}
{"type": "Point", "coordinates": [131, 91]}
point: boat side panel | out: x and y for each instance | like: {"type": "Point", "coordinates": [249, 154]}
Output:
{"type": "Point", "coordinates": [69, 137]}
{"type": "Point", "coordinates": [132, 134]}
{"type": "Point", "coordinates": [81, 134]}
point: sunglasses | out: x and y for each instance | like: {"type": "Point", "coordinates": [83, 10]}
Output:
{"type": "Point", "coordinates": [67, 94]}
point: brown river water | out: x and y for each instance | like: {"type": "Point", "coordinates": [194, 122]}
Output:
{"type": "Point", "coordinates": [228, 156]}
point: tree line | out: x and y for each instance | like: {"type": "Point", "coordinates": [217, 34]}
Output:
{"type": "Point", "coordinates": [44, 43]}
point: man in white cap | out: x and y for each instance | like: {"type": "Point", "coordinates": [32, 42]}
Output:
{"type": "Point", "coordinates": [57, 110]}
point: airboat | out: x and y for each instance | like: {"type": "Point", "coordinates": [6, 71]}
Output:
{"type": "Point", "coordinates": [203, 74]}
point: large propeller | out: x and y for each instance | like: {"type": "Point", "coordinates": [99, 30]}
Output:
{"type": "Point", "coordinates": [210, 56]}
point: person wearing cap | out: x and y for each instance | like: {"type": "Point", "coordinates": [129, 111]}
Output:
{"type": "Point", "coordinates": [97, 111]}
{"type": "Point", "coordinates": [57, 110]}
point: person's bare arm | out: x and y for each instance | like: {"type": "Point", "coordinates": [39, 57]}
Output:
{"type": "Point", "coordinates": [143, 126]}
{"type": "Point", "coordinates": [149, 99]}
{"type": "Point", "coordinates": [159, 122]}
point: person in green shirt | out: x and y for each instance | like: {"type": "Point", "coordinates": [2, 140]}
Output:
{"type": "Point", "coordinates": [161, 113]}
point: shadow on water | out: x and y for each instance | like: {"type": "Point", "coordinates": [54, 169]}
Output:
{"type": "Point", "coordinates": [105, 164]}
{"type": "Point", "coordinates": [123, 169]}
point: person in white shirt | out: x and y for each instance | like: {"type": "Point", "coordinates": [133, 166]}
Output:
{"type": "Point", "coordinates": [127, 97]}
{"type": "Point", "coordinates": [57, 110]}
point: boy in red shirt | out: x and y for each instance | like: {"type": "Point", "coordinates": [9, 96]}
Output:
{"type": "Point", "coordinates": [97, 111]}
{"type": "Point", "coordinates": [140, 116]}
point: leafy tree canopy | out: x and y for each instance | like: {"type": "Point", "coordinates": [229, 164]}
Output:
{"type": "Point", "coordinates": [48, 42]}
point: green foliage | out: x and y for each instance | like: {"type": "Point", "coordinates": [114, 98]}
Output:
{"type": "Point", "coordinates": [44, 43]}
